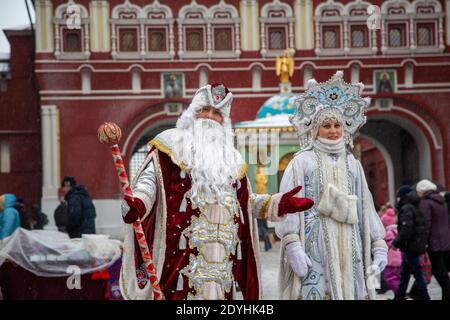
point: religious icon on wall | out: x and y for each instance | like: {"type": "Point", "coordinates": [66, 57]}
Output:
{"type": "Point", "coordinates": [385, 81]}
{"type": "Point", "coordinates": [173, 85]}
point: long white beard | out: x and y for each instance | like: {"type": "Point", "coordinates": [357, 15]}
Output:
{"type": "Point", "coordinates": [207, 149]}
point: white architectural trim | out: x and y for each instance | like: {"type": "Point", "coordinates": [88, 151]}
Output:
{"type": "Point", "coordinates": [126, 7]}
{"type": "Point", "coordinates": [108, 220]}
{"type": "Point", "coordinates": [288, 21]}
{"type": "Point", "coordinates": [277, 6]}
{"type": "Point", "coordinates": [437, 145]}
{"type": "Point", "coordinates": [418, 3]}
{"type": "Point", "coordinates": [168, 20]}
{"type": "Point", "coordinates": [207, 21]}
{"type": "Point", "coordinates": [254, 25]}
{"type": "Point", "coordinates": [48, 22]}
{"type": "Point", "coordinates": [50, 151]}
{"type": "Point", "coordinates": [309, 24]}
{"type": "Point", "coordinates": [142, 22]}
{"type": "Point", "coordinates": [307, 73]}
{"type": "Point", "coordinates": [256, 79]}
{"type": "Point", "coordinates": [355, 70]}
{"type": "Point", "coordinates": [389, 165]}
{"type": "Point", "coordinates": [409, 75]}
{"type": "Point", "coordinates": [423, 145]}
{"type": "Point", "coordinates": [203, 78]}
{"type": "Point", "coordinates": [203, 22]}
{"type": "Point", "coordinates": [106, 29]}
{"type": "Point", "coordinates": [86, 81]}
{"type": "Point", "coordinates": [330, 4]}
{"type": "Point", "coordinates": [5, 157]}
{"type": "Point", "coordinates": [447, 21]}
{"type": "Point", "coordinates": [320, 20]}
{"type": "Point", "coordinates": [138, 126]}
{"type": "Point", "coordinates": [411, 17]}
{"type": "Point", "coordinates": [233, 21]}
{"type": "Point", "coordinates": [60, 23]}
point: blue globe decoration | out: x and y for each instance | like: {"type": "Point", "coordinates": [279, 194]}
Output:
{"type": "Point", "coordinates": [278, 104]}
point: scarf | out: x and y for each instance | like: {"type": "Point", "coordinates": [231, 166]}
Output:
{"type": "Point", "coordinates": [329, 146]}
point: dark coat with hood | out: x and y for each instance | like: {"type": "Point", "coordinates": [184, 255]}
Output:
{"type": "Point", "coordinates": [412, 231]}
{"type": "Point", "coordinates": [81, 212]}
{"type": "Point", "coordinates": [435, 212]}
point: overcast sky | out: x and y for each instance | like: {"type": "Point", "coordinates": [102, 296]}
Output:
{"type": "Point", "coordinates": [13, 13]}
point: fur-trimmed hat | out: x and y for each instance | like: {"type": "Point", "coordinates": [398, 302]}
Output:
{"type": "Point", "coordinates": [212, 95]}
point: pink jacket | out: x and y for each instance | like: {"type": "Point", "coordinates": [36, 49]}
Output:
{"type": "Point", "coordinates": [394, 256]}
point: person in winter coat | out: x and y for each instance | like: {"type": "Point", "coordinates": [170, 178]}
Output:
{"type": "Point", "coordinates": [447, 199]}
{"type": "Point", "coordinates": [40, 218]}
{"type": "Point", "coordinates": [435, 212]}
{"type": "Point", "coordinates": [392, 271]}
{"type": "Point", "coordinates": [60, 216]}
{"type": "Point", "coordinates": [411, 240]}
{"type": "Point", "coordinates": [80, 209]}
{"type": "Point", "coordinates": [23, 214]}
{"type": "Point", "coordinates": [9, 217]}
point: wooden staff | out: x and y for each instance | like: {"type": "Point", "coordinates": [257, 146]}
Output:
{"type": "Point", "coordinates": [109, 134]}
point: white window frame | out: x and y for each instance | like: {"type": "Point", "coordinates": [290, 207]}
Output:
{"type": "Point", "coordinates": [233, 22]}
{"type": "Point", "coordinates": [324, 21]}
{"type": "Point", "coordinates": [166, 23]}
{"type": "Point", "coordinates": [5, 157]}
{"type": "Point", "coordinates": [118, 23]}
{"type": "Point", "coordinates": [350, 20]}
{"type": "Point", "coordinates": [266, 22]}
{"type": "Point", "coordinates": [213, 38]}
{"type": "Point", "coordinates": [60, 23]}
{"type": "Point", "coordinates": [156, 54]}
{"type": "Point", "coordinates": [184, 23]}
{"type": "Point", "coordinates": [192, 53]}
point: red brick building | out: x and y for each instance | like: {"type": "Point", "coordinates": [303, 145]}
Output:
{"type": "Point", "coordinates": [20, 128]}
{"type": "Point", "coordinates": [138, 63]}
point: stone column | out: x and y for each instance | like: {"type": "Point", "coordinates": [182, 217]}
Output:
{"type": "Point", "coordinates": [50, 151]}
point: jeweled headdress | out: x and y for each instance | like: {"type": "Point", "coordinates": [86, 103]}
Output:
{"type": "Point", "coordinates": [337, 99]}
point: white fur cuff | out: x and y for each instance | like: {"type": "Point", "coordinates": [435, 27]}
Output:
{"type": "Point", "coordinates": [145, 199]}
{"type": "Point", "coordinates": [289, 238]}
{"type": "Point", "coordinates": [379, 244]}
{"type": "Point", "coordinates": [271, 213]}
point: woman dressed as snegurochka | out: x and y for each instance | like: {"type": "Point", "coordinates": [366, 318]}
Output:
{"type": "Point", "coordinates": [336, 249]}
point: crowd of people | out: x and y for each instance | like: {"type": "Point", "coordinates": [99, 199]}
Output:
{"type": "Point", "coordinates": [418, 238]}
{"type": "Point", "coordinates": [75, 214]}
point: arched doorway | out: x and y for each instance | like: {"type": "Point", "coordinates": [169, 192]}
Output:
{"type": "Point", "coordinates": [377, 167]}
{"type": "Point", "coordinates": [141, 148]}
{"type": "Point", "coordinates": [406, 147]}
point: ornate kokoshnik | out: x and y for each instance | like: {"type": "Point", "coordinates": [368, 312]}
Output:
{"type": "Point", "coordinates": [336, 97]}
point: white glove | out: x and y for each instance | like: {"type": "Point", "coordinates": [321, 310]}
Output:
{"type": "Point", "coordinates": [298, 259]}
{"type": "Point", "coordinates": [379, 260]}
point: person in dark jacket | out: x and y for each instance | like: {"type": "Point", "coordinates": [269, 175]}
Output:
{"type": "Point", "coordinates": [80, 209]}
{"type": "Point", "coordinates": [40, 218]}
{"type": "Point", "coordinates": [23, 214]}
{"type": "Point", "coordinates": [447, 199]}
{"type": "Point", "coordinates": [435, 212]}
{"type": "Point", "coordinates": [61, 216]}
{"type": "Point", "coordinates": [411, 240]}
